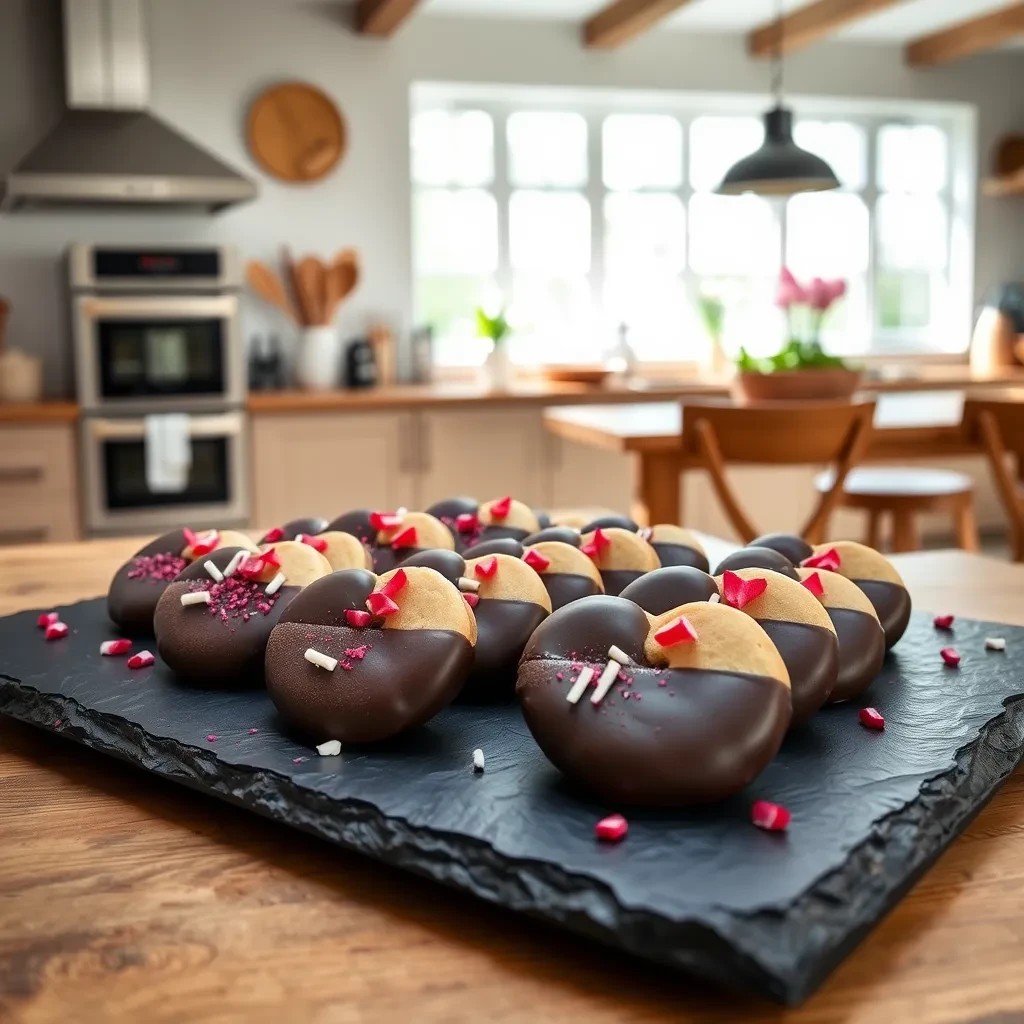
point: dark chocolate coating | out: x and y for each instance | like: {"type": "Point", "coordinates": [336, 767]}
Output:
{"type": "Point", "coordinates": [202, 649]}
{"type": "Point", "coordinates": [356, 522]}
{"type": "Point", "coordinates": [495, 546]}
{"type": "Point", "coordinates": [892, 604]}
{"type": "Point", "coordinates": [291, 530]}
{"type": "Point", "coordinates": [494, 531]}
{"type": "Point", "coordinates": [503, 629]}
{"type": "Point", "coordinates": [795, 548]}
{"type": "Point", "coordinates": [611, 522]}
{"type": "Point", "coordinates": [543, 519]}
{"type": "Point", "coordinates": [758, 558]}
{"type": "Point", "coordinates": [565, 587]}
{"type": "Point", "coordinates": [681, 554]}
{"type": "Point", "coordinates": [861, 651]}
{"type": "Point", "coordinates": [565, 534]}
{"type": "Point", "coordinates": [132, 602]}
{"type": "Point", "coordinates": [450, 564]}
{"type": "Point", "coordinates": [664, 589]}
{"type": "Point", "coordinates": [616, 580]}
{"type": "Point", "coordinates": [448, 510]}
{"type": "Point", "coordinates": [404, 678]}
{"type": "Point", "coordinates": [701, 737]}
{"type": "Point", "coordinates": [811, 654]}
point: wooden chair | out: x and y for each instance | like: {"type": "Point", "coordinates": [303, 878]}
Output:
{"type": "Point", "coordinates": [997, 427]}
{"type": "Point", "coordinates": [777, 434]}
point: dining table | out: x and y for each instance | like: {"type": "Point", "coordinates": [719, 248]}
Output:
{"type": "Point", "coordinates": [127, 898]}
{"type": "Point", "coordinates": [907, 425]}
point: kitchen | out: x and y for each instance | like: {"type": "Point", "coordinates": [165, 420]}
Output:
{"type": "Point", "coordinates": [474, 159]}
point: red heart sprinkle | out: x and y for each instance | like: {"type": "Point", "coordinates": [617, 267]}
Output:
{"type": "Point", "coordinates": [612, 829]}
{"type": "Point", "coordinates": [813, 584]}
{"type": "Point", "coordinates": [871, 718]}
{"type": "Point", "coordinates": [678, 632]}
{"type": "Point", "coordinates": [396, 584]}
{"type": "Point", "coordinates": [467, 522]}
{"type": "Point", "coordinates": [590, 550]}
{"type": "Point", "coordinates": [601, 540]}
{"type": "Point", "coordinates": [56, 631]}
{"type": "Point", "coordinates": [487, 568]}
{"type": "Point", "coordinates": [405, 539]}
{"type": "Point", "coordinates": [270, 557]}
{"type": "Point", "coordinates": [208, 543]}
{"type": "Point", "coordinates": [112, 648]}
{"type": "Point", "coordinates": [318, 543]}
{"type": "Point", "coordinates": [472, 599]}
{"type": "Point", "coordinates": [739, 592]}
{"type": "Point", "coordinates": [535, 560]}
{"type": "Point", "coordinates": [252, 567]}
{"type": "Point", "coordinates": [951, 656]}
{"type": "Point", "coordinates": [274, 535]}
{"type": "Point", "coordinates": [190, 537]}
{"type": "Point", "coordinates": [47, 619]}
{"type": "Point", "coordinates": [380, 604]}
{"type": "Point", "coordinates": [357, 618]}
{"type": "Point", "coordinates": [828, 560]}
{"type": "Point", "coordinates": [771, 817]}
{"type": "Point", "coordinates": [943, 622]}
{"type": "Point", "coordinates": [385, 520]}
{"type": "Point", "coordinates": [141, 660]}
{"type": "Point", "coordinates": [501, 508]}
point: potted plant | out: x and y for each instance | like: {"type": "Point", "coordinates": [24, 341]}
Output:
{"type": "Point", "coordinates": [801, 368]}
{"type": "Point", "coordinates": [497, 366]}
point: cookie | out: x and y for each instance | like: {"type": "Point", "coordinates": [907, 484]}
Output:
{"type": "Point", "coordinates": [675, 545]}
{"type": "Point", "coordinates": [860, 634]}
{"type": "Point", "coordinates": [686, 707]}
{"type": "Point", "coordinates": [506, 517]}
{"type": "Point", "coordinates": [567, 574]}
{"type": "Point", "coordinates": [798, 626]}
{"type": "Point", "coordinates": [621, 556]}
{"type": "Point", "coordinates": [137, 586]}
{"type": "Point", "coordinates": [342, 550]}
{"type": "Point", "coordinates": [358, 522]}
{"type": "Point", "coordinates": [495, 546]}
{"type": "Point", "coordinates": [562, 534]}
{"type": "Point", "coordinates": [361, 658]}
{"type": "Point", "coordinates": [795, 548]}
{"type": "Point", "coordinates": [392, 536]}
{"type": "Point", "coordinates": [213, 621]}
{"type": "Point", "coordinates": [664, 589]}
{"type": "Point", "coordinates": [293, 529]}
{"type": "Point", "coordinates": [612, 522]}
{"type": "Point", "coordinates": [875, 575]}
{"type": "Point", "coordinates": [757, 558]}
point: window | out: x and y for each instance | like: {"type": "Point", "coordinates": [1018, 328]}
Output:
{"type": "Point", "coordinates": [584, 216]}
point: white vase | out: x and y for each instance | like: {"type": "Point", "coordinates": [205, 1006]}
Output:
{"type": "Point", "coordinates": [317, 363]}
{"type": "Point", "coordinates": [497, 368]}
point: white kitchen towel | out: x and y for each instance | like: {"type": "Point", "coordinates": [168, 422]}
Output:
{"type": "Point", "coordinates": [168, 453]}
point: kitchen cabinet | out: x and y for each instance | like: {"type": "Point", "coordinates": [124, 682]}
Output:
{"type": "Point", "coordinates": [325, 464]}
{"type": "Point", "coordinates": [582, 476]}
{"type": "Point", "coordinates": [38, 483]}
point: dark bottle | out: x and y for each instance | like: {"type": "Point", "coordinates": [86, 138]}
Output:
{"type": "Point", "coordinates": [360, 364]}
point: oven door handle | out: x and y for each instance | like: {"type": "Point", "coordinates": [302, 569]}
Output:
{"type": "Point", "coordinates": [171, 306]}
{"type": "Point", "coordinates": [135, 429]}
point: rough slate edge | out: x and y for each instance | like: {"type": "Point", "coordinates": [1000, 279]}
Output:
{"type": "Point", "coordinates": [800, 947]}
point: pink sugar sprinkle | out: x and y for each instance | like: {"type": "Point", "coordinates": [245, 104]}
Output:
{"type": "Point", "coordinates": [212, 738]}
{"type": "Point", "coordinates": [356, 652]}
{"type": "Point", "coordinates": [252, 732]}
{"type": "Point", "coordinates": [299, 760]}
{"type": "Point", "coordinates": [57, 724]}
{"type": "Point", "coordinates": [559, 676]}
{"type": "Point", "coordinates": [161, 568]}
{"type": "Point", "coordinates": [662, 682]}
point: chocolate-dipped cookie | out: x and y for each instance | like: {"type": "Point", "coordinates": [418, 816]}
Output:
{"type": "Point", "coordinates": [795, 548]}
{"type": "Point", "coordinates": [562, 534]}
{"type": "Point", "coordinates": [686, 707]}
{"type": "Point", "coordinates": [361, 658]}
{"type": "Point", "coordinates": [495, 546]}
{"type": "Point", "coordinates": [213, 621]}
{"type": "Point", "coordinates": [757, 558]}
{"type": "Point", "coordinates": [675, 545]}
{"type": "Point", "coordinates": [293, 529]}
{"type": "Point", "coordinates": [860, 634]}
{"type": "Point", "coordinates": [875, 575]}
{"type": "Point", "coordinates": [621, 556]}
{"type": "Point", "coordinates": [506, 517]}
{"type": "Point", "coordinates": [359, 522]}
{"type": "Point", "coordinates": [661, 590]}
{"type": "Point", "coordinates": [393, 536]}
{"type": "Point", "coordinates": [798, 626]}
{"type": "Point", "coordinates": [567, 574]}
{"type": "Point", "coordinates": [612, 522]}
{"type": "Point", "coordinates": [460, 516]}
{"type": "Point", "coordinates": [137, 586]}
{"type": "Point", "coordinates": [342, 550]}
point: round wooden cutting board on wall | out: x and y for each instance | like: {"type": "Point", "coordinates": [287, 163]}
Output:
{"type": "Point", "coordinates": [296, 132]}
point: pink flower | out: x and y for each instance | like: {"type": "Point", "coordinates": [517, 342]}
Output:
{"type": "Point", "coordinates": [790, 292]}
{"type": "Point", "coordinates": [838, 287]}
{"type": "Point", "coordinates": [819, 295]}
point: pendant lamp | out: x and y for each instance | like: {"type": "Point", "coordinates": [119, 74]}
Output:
{"type": "Point", "coordinates": [780, 167]}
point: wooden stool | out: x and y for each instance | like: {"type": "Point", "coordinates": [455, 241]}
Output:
{"type": "Point", "coordinates": [903, 493]}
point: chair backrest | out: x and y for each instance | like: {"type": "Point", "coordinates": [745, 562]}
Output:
{"type": "Point", "coordinates": [1007, 414]}
{"type": "Point", "coordinates": [779, 433]}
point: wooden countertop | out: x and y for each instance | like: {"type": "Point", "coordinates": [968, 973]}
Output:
{"type": "Point", "coordinates": [38, 412]}
{"type": "Point", "coordinates": [124, 897]}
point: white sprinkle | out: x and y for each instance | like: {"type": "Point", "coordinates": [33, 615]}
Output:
{"type": "Point", "coordinates": [321, 660]}
{"type": "Point", "coordinates": [215, 573]}
{"type": "Point", "coordinates": [468, 586]}
{"type": "Point", "coordinates": [332, 748]}
{"type": "Point", "coordinates": [645, 533]}
{"type": "Point", "coordinates": [604, 684]}
{"type": "Point", "coordinates": [619, 655]}
{"type": "Point", "coordinates": [580, 686]}
{"type": "Point", "coordinates": [714, 598]}
{"type": "Point", "coordinates": [232, 567]}
{"type": "Point", "coordinates": [275, 584]}
{"type": "Point", "coordinates": [478, 760]}
{"type": "Point", "coordinates": [995, 643]}
{"type": "Point", "coordinates": [198, 597]}
{"type": "Point", "coordinates": [403, 511]}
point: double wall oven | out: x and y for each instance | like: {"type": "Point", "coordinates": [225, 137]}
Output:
{"type": "Point", "coordinates": [160, 372]}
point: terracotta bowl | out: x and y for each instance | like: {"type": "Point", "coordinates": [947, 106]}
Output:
{"type": "Point", "coordinates": [795, 385]}
{"type": "Point", "coordinates": [577, 374]}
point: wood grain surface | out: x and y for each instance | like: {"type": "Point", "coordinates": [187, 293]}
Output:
{"type": "Point", "coordinates": [125, 898]}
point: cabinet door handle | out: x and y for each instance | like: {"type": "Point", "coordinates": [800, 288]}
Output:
{"type": "Point", "coordinates": [20, 474]}
{"type": "Point", "coordinates": [23, 536]}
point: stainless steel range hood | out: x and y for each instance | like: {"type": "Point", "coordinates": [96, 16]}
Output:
{"type": "Point", "coordinates": [107, 148]}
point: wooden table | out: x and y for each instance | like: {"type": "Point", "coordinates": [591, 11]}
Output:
{"type": "Point", "coordinates": [908, 425]}
{"type": "Point", "coordinates": [125, 898]}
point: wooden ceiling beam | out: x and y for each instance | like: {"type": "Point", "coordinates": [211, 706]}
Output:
{"type": "Point", "coordinates": [968, 37]}
{"type": "Point", "coordinates": [382, 17]}
{"type": "Point", "coordinates": [810, 24]}
{"type": "Point", "coordinates": [623, 20]}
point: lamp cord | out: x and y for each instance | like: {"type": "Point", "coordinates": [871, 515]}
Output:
{"type": "Point", "coordinates": [777, 55]}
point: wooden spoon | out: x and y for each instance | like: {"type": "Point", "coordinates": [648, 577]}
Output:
{"type": "Point", "coordinates": [292, 280]}
{"type": "Point", "coordinates": [267, 285]}
{"type": "Point", "coordinates": [5, 310]}
{"type": "Point", "coordinates": [311, 275]}
{"type": "Point", "coordinates": [343, 280]}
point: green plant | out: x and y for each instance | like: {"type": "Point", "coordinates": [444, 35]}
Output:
{"type": "Point", "coordinates": [496, 327]}
{"type": "Point", "coordinates": [712, 312]}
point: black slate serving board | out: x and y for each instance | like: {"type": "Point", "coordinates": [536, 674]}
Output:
{"type": "Point", "coordinates": [701, 890]}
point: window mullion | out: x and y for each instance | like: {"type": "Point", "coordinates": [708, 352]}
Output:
{"type": "Point", "coordinates": [502, 192]}
{"type": "Point", "coordinates": [595, 193]}
{"type": "Point", "coordinates": [871, 199]}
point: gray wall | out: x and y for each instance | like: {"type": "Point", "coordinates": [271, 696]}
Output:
{"type": "Point", "coordinates": [210, 57]}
